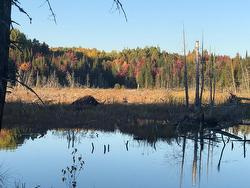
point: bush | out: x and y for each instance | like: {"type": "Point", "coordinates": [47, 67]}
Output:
{"type": "Point", "coordinates": [117, 86]}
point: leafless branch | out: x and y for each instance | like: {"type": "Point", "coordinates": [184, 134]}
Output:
{"type": "Point", "coordinates": [14, 44]}
{"type": "Point", "coordinates": [29, 88]}
{"type": "Point", "coordinates": [14, 22]}
{"type": "Point", "coordinates": [119, 7]}
{"type": "Point", "coordinates": [51, 10]}
{"type": "Point", "coordinates": [17, 4]}
{"type": "Point", "coordinates": [26, 86]}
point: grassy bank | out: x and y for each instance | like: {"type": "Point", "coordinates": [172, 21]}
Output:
{"type": "Point", "coordinates": [121, 108]}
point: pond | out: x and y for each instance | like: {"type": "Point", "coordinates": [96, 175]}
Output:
{"type": "Point", "coordinates": [97, 159]}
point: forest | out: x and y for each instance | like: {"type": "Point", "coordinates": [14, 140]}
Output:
{"type": "Point", "coordinates": [144, 99]}
{"type": "Point", "coordinates": [38, 65]}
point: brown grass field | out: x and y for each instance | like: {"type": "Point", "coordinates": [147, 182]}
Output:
{"type": "Point", "coordinates": [111, 96]}
{"type": "Point", "coordinates": [121, 108]}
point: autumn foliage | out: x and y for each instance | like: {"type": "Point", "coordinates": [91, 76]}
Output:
{"type": "Point", "coordinates": [148, 67]}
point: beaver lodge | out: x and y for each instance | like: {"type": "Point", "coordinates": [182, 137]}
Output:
{"type": "Point", "coordinates": [85, 101]}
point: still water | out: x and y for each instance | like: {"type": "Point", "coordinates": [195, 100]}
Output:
{"type": "Point", "coordinates": [117, 160]}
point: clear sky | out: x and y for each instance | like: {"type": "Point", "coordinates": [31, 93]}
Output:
{"type": "Point", "coordinates": [94, 24]}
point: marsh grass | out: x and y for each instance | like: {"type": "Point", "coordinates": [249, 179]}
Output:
{"type": "Point", "coordinates": [64, 115]}
{"type": "Point", "coordinates": [111, 96]}
{"type": "Point", "coordinates": [142, 108]}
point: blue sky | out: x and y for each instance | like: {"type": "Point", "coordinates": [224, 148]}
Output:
{"type": "Point", "coordinates": [94, 24]}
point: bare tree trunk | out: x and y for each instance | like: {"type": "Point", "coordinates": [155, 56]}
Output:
{"type": "Point", "coordinates": [202, 73]}
{"type": "Point", "coordinates": [232, 72]}
{"type": "Point", "coordinates": [185, 70]}
{"type": "Point", "coordinates": [5, 21]}
{"type": "Point", "coordinates": [210, 80]}
{"type": "Point", "coordinates": [214, 80]}
{"type": "Point", "coordinates": [197, 90]}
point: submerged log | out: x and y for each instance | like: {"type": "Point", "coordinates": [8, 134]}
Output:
{"type": "Point", "coordinates": [235, 99]}
{"type": "Point", "coordinates": [85, 101]}
{"type": "Point", "coordinates": [228, 134]}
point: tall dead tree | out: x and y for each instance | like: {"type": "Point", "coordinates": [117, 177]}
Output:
{"type": "Point", "coordinates": [232, 74]}
{"type": "Point", "coordinates": [5, 23]}
{"type": "Point", "coordinates": [185, 69]}
{"type": "Point", "coordinates": [202, 70]}
{"type": "Point", "coordinates": [211, 79]}
{"type": "Point", "coordinates": [197, 78]}
{"type": "Point", "coordinates": [214, 78]}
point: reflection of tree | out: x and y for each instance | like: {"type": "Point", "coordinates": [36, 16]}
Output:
{"type": "Point", "coordinates": [73, 136]}
{"type": "Point", "coordinates": [201, 149]}
{"type": "Point", "coordinates": [194, 167]}
{"type": "Point", "coordinates": [208, 153]}
{"type": "Point", "coordinates": [244, 146]}
{"type": "Point", "coordinates": [182, 160]}
{"type": "Point", "coordinates": [205, 138]}
{"type": "Point", "coordinates": [11, 138]}
{"type": "Point", "coordinates": [201, 137]}
{"type": "Point", "coordinates": [208, 138]}
{"type": "Point", "coordinates": [8, 139]}
{"type": "Point", "coordinates": [222, 151]}
{"type": "Point", "coordinates": [72, 172]}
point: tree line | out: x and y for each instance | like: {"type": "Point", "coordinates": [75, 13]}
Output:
{"type": "Point", "coordinates": [36, 64]}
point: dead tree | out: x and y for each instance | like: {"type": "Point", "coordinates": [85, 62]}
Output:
{"type": "Point", "coordinates": [197, 79]}
{"type": "Point", "coordinates": [233, 78]}
{"type": "Point", "coordinates": [202, 71]}
{"type": "Point", "coordinates": [214, 79]}
{"type": "Point", "coordinates": [211, 79]}
{"type": "Point", "coordinates": [5, 23]}
{"type": "Point", "coordinates": [185, 70]}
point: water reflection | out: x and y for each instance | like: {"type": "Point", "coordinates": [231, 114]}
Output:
{"type": "Point", "coordinates": [10, 139]}
{"type": "Point", "coordinates": [212, 139]}
{"type": "Point", "coordinates": [201, 155]}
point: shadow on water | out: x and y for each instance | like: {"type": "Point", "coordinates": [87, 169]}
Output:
{"type": "Point", "coordinates": [145, 123]}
